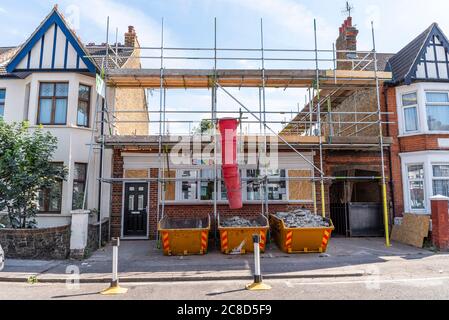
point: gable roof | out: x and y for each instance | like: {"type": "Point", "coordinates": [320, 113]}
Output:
{"type": "Point", "coordinates": [57, 20]}
{"type": "Point", "coordinates": [403, 65]}
{"type": "Point", "coordinates": [118, 54]}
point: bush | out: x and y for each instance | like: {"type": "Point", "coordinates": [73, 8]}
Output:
{"type": "Point", "coordinates": [25, 168]}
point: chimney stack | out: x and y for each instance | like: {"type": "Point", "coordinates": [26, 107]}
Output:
{"type": "Point", "coordinates": [347, 41]}
{"type": "Point", "coordinates": [131, 37]}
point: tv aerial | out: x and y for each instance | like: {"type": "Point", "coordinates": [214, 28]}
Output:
{"type": "Point", "coordinates": [348, 9]}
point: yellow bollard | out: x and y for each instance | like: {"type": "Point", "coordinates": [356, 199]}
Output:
{"type": "Point", "coordinates": [386, 223]}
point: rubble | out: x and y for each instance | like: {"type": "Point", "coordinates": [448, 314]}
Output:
{"type": "Point", "coordinates": [302, 218]}
{"type": "Point", "coordinates": [239, 222]}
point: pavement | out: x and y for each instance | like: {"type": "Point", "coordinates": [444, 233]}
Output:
{"type": "Point", "coordinates": [141, 261]}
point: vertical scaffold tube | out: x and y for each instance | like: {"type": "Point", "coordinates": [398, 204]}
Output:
{"type": "Point", "coordinates": [381, 142]}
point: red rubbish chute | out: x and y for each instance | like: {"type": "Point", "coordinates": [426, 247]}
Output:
{"type": "Point", "coordinates": [231, 176]}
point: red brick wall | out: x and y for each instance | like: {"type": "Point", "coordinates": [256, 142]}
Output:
{"type": "Point", "coordinates": [248, 210]}
{"type": "Point", "coordinates": [421, 142]}
{"type": "Point", "coordinates": [403, 144]}
{"type": "Point", "coordinates": [392, 129]}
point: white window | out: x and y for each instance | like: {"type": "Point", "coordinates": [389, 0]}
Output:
{"type": "Point", "coordinates": [2, 102]}
{"type": "Point", "coordinates": [415, 174]}
{"type": "Point", "coordinates": [437, 105]}
{"type": "Point", "coordinates": [198, 186]}
{"type": "Point", "coordinates": [253, 185]}
{"type": "Point", "coordinates": [207, 187]}
{"type": "Point", "coordinates": [440, 180]}
{"type": "Point", "coordinates": [277, 186]}
{"type": "Point", "coordinates": [188, 187]}
{"type": "Point", "coordinates": [410, 111]}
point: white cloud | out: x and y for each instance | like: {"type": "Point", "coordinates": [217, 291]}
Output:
{"type": "Point", "coordinates": [294, 17]}
{"type": "Point", "coordinates": [121, 16]}
{"type": "Point", "coordinates": [3, 10]}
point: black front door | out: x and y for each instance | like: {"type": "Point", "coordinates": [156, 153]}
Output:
{"type": "Point", "coordinates": [135, 213]}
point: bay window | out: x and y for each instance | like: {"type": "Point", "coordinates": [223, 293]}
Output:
{"type": "Point", "coordinates": [82, 115]}
{"type": "Point", "coordinates": [410, 111]}
{"type": "Point", "coordinates": [50, 199]}
{"type": "Point", "coordinates": [437, 105]}
{"type": "Point", "coordinates": [415, 174]}
{"type": "Point", "coordinates": [53, 97]}
{"type": "Point", "coordinates": [440, 180]}
{"type": "Point", "coordinates": [79, 185]}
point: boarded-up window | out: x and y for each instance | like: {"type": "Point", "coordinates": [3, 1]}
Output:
{"type": "Point", "coordinates": [136, 174]}
{"type": "Point", "coordinates": [300, 190]}
{"type": "Point", "coordinates": [170, 186]}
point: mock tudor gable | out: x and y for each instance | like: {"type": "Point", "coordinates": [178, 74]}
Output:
{"type": "Point", "coordinates": [426, 58]}
{"type": "Point", "coordinates": [52, 47]}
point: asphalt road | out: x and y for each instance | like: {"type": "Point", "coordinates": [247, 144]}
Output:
{"type": "Point", "coordinates": [366, 288]}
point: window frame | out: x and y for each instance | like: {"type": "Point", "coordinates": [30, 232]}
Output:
{"type": "Point", "coordinates": [178, 191]}
{"type": "Point", "coordinates": [243, 172]}
{"type": "Point", "coordinates": [435, 104]}
{"type": "Point", "coordinates": [3, 103]}
{"type": "Point", "coordinates": [46, 193]}
{"type": "Point", "coordinates": [88, 101]}
{"type": "Point", "coordinates": [280, 180]}
{"type": "Point", "coordinates": [412, 106]}
{"type": "Point", "coordinates": [53, 98]}
{"type": "Point", "coordinates": [432, 165]}
{"type": "Point", "coordinates": [83, 181]}
{"type": "Point", "coordinates": [423, 180]}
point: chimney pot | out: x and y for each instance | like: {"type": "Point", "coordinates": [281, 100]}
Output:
{"type": "Point", "coordinates": [346, 42]}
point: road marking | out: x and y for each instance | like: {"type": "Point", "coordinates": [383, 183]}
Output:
{"type": "Point", "coordinates": [370, 280]}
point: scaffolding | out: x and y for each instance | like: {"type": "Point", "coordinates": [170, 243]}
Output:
{"type": "Point", "coordinates": [310, 129]}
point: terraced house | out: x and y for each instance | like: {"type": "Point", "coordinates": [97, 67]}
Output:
{"type": "Point", "coordinates": [371, 143]}
{"type": "Point", "coordinates": [50, 81]}
{"type": "Point", "coordinates": [419, 96]}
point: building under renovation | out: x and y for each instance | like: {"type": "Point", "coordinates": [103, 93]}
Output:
{"type": "Point", "coordinates": [137, 159]}
{"type": "Point", "coordinates": [331, 157]}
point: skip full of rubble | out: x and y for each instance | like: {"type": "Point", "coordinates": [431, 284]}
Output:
{"type": "Point", "coordinates": [239, 222]}
{"type": "Point", "coordinates": [301, 218]}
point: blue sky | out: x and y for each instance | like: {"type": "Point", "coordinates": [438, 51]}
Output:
{"type": "Point", "coordinates": [287, 24]}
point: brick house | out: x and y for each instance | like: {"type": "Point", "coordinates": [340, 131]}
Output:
{"type": "Point", "coordinates": [418, 97]}
{"type": "Point", "coordinates": [348, 151]}
{"type": "Point", "coordinates": [50, 80]}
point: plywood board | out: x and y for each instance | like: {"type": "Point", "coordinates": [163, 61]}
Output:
{"type": "Point", "coordinates": [136, 174]}
{"type": "Point", "coordinates": [417, 223]}
{"type": "Point", "coordinates": [413, 231]}
{"type": "Point", "coordinates": [300, 189]}
{"type": "Point", "coordinates": [170, 185]}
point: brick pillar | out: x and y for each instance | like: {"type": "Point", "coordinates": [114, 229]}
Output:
{"type": "Point", "coordinates": [440, 222]}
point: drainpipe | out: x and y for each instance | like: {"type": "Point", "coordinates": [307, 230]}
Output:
{"type": "Point", "coordinates": [385, 89]}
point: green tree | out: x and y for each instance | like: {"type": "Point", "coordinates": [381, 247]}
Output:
{"type": "Point", "coordinates": [204, 126]}
{"type": "Point", "coordinates": [25, 168]}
